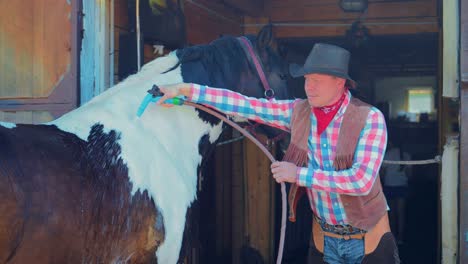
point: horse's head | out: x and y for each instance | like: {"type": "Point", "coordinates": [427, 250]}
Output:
{"type": "Point", "coordinates": [276, 71]}
{"type": "Point", "coordinates": [273, 65]}
{"type": "Point", "coordinates": [227, 63]}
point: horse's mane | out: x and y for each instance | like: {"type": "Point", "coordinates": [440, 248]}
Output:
{"type": "Point", "coordinates": [222, 60]}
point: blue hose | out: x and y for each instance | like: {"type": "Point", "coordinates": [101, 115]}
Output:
{"type": "Point", "coordinates": [150, 98]}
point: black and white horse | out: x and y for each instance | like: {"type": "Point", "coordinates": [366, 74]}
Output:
{"type": "Point", "coordinates": [100, 184]}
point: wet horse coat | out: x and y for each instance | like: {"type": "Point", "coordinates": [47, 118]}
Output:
{"type": "Point", "coordinates": [100, 184]}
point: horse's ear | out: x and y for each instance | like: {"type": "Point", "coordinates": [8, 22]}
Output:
{"type": "Point", "coordinates": [266, 38]}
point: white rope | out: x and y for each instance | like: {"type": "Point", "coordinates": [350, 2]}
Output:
{"type": "Point", "coordinates": [436, 159]}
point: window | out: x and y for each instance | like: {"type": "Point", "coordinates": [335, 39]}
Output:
{"type": "Point", "coordinates": [420, 100]}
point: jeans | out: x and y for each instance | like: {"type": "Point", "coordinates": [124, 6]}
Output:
{"type": "Point", "coordinates": [338, 250]}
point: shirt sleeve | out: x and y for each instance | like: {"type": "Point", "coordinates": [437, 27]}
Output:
{"type": "Point", "coordinates": [359, 179]}
{"type": "Point", "coordinates": [276, 113]}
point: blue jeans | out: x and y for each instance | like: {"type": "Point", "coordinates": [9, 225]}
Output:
{"type": "Point", "coordinates": [341, 251]}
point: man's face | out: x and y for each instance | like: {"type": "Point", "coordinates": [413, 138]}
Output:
{"type": "Point", "coordinates": [322, 89]}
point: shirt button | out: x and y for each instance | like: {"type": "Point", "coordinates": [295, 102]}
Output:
{"type": "Point", "coordinates": [335, 204]}
{"type": "Point", "coordinates": [324, 145]}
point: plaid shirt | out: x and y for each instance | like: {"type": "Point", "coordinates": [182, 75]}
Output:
{"type": "Point", "coordinates": [324, 184]}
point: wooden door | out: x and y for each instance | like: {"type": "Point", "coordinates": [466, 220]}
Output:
{"type": "Point", "coordinates": [38, 66]}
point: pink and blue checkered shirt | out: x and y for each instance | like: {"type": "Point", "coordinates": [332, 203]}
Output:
{"type": "Point", "coordinates": [324, 184]}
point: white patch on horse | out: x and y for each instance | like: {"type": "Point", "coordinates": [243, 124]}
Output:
{"type": "Point", "coordinates": [7, 125]}
{"type": "Point", "coordinates": [160, 148]}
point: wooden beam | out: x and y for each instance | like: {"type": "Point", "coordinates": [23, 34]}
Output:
{"type": "Point", "coordinates": [249, 7]}
{"type": "Point", "coordinates": [463, 198]}
{"type": "Point", "coordinates": [304, 30]}
{"type": "Point", "coordinates": [312, 11]}
{"type": "Point", "coordinates": [282, 3]}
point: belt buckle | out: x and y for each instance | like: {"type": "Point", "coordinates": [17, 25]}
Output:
{"type": "Point", "coordinates": [340, 230]}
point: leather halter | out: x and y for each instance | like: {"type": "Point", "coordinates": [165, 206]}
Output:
{"type": "Point", "coordinates": [269, 93]}
{"type": "Point", "coordinates": [253, 57]}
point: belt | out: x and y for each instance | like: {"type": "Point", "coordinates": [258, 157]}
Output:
{"type": "Point", "coordinates": [340, 230]}
{"type": "Point", "coordinates": [345, 237]}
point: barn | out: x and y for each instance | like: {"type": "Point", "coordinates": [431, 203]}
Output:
{"type": "Point", "coordinates": [409, 58]}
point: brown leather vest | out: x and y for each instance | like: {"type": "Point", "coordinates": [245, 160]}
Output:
{"type": "Point", "coordinates": [362, 211]}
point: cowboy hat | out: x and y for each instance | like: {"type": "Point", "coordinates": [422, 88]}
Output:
{"type": "Point", "coordinates": [325, 59]}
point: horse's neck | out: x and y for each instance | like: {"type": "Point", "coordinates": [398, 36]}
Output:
{"type": "Point", "coordinates": [221, 64]}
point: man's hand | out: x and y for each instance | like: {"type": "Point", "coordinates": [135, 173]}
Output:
{"type": "Point", "coordinates": [173, 90]}
{"type": "Point", "coordinates": [284, 171]}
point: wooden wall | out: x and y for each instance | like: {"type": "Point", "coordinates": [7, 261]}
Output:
{"type": "Point", "coordinates": [207, 20]}
{"type": "Point", "coordinates": [324, 18]}
{"type": "Point", "coordinates": [259, 202]}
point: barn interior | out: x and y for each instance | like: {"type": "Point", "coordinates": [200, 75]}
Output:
{"type": "Point", "coordinates": [397, 60]}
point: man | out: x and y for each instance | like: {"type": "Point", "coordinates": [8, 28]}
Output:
{"type": "Point", "coordinates": [337, 146]}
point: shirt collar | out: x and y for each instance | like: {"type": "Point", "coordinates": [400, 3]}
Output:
{"type": "Point", "coordinates": [345, 104]}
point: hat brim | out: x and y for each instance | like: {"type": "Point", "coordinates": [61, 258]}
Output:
{"type": "Point", "coordinates": [297, 70]}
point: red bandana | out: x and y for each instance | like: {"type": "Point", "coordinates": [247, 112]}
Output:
{"type": "Point", "coordinates": [325, 114]}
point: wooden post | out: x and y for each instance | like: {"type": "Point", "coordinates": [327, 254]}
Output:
{"type": "Point", "coordinates": [259, 201]}
{"type": "Point", "coordinates": [463, 198]}
{"type": "Point", "coordinates": [237, 183]}
{"type": "Point", "coordinates": [223, 198]}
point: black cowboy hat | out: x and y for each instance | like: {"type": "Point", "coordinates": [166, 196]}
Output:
{"type": "Point", "coordinates": [326, 59]}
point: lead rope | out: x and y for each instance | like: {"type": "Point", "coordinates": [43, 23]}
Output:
{"type": "Point", "coordinates": [270, 157]}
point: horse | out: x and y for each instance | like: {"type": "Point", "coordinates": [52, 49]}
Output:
{"type": "Point", "coordinates": [99, 184]}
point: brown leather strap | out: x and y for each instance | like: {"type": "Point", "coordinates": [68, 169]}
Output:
{"type": "Point", "coordinates": [317, 232]}
{"type": "Point", "coordinates": [345, 237]}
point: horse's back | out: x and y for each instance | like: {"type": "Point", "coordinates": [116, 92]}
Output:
{"type": "Point", "coordinates": [65, 200]}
